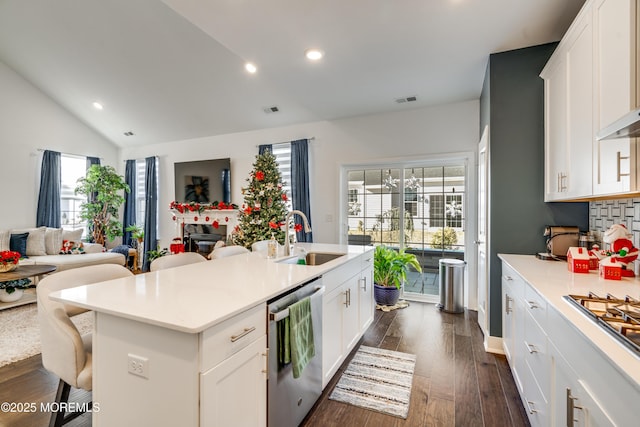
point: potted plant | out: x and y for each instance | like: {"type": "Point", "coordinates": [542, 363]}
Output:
{"type": "Point", "coordinates": [9, 261]}
{"type": "Point", "coordinates": [137, 233]}
{"type": "Point", "coordinates": [389, 272]}
{"type": "Point", "coordinates": [102, 185]}
{"type": "Point", "coordinates": [154, 254]}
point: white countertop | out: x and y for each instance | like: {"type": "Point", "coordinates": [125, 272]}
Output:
{"type": "Point", "coordinates": [553, 280]}
{"type": "Point", "coordinates": [194, 297]}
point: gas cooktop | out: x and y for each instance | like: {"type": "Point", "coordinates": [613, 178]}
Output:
{"type": "Point", "coordinates": [620, 317]}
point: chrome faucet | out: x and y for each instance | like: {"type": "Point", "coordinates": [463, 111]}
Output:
{"type": "Point", "coordinates": [307, 229]}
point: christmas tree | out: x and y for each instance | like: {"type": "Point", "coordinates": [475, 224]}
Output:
{"type": "Point", "coordinates": [264, 209]}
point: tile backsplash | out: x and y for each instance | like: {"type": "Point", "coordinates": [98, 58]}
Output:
{"type": "Point", "coordinates": [604, 213]}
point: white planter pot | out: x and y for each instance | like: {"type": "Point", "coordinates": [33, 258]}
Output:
{"type": "Point", "coordinates": [14, 296]}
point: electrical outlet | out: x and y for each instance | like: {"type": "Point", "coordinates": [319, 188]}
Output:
{"type": "Point", "coordinates": [138, 365]}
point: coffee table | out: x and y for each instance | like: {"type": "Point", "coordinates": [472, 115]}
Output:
{"type": "Point", "coordinates": [22, 272]}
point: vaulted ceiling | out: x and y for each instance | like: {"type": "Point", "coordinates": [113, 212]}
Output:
{"type": "Point", "coordinates": [174, 69]}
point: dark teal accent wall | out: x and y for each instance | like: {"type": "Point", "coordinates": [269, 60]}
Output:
{"type": "Point", "coordinates": [512, 104]}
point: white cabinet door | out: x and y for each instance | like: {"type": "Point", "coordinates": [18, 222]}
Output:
{"type": "Point", "coordinates": [365, 294]}
{"type": "Point", "coordinates": [573, 404]}
{"type": "Point", "coordinates": [332, 336]}
{"type": "Point", "coordinates": [234, 393]}
{"type": "Point", "coordinates": [579, 115]}
{"type": "Point", "coordinates": [555, 128]}
{"type": "Point", "coordinates": [615, 93]}
{"type": "Point", "coordinates": [350, 321]}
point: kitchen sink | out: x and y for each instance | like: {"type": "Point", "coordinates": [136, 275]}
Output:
{"type": "Point", "coordinates": [313, 258]}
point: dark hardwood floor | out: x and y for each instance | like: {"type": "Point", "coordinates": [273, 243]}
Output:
{"type": "Point", "coordinates": [455, 383]}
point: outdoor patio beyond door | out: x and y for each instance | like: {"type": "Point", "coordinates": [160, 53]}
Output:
{"type": "Point", "coordinates": [420, 209]}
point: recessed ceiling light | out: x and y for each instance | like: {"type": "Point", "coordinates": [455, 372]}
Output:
{"type": "Point", "coordinates": [251, 68]}
{"type": "Point", "coordinates": [97, 105]}
{"type": "Point", "coordinates": [313, 54]}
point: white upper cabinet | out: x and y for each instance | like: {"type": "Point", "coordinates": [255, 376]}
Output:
{"type": "Point", "coordinates": [555, 129]}
{"type": "Point", "coordinates": [569, 114]}
{"type": "Point", "coordinates": [590, 81]}
{"type": "Point", "coordinates": [615, 93]}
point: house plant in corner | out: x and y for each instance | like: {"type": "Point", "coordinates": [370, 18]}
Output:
{"type": "Point", "coordinates": [102, 185]}
{"type": "Point", "coordinates": [389, 272]}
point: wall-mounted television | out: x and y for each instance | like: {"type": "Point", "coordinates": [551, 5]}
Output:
{"type": "Point", "coordinates": [203, 181]}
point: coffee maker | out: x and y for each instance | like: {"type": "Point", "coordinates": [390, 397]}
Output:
{"type": "Point", "coordinates": [559, 240]}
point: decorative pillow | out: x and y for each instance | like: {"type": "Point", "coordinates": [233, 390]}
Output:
{"type": "Point", "coordinates": [53, 240]}
{"type": "Point", "coordinates": [5, 240]}
{"type": "Point", "coordinates": [18, 243]}
{"type": "Point", "coordinates": [73, 235]}
{"type": "Point", "coordinates": [70, 247]}
{"type": "Point", "coordinates": [35, 242]}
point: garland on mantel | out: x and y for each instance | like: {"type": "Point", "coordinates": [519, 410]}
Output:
{"type": "Point", "coordinates": [201, 207]}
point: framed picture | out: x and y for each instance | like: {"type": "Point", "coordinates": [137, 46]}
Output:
{"type": "Point", "coordinates": [203, 181]}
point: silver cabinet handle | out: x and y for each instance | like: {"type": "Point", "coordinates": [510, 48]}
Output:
{"type": "Point", "coordinates": [571, 406]}
{"type": "Point", "coordinates": [619, 158]}
{"type": "Point", "coordinates": [346, 298]}
{"type": "Point", "coordinates": [245, 332]}
{"type": "Point", "coordinates": [364, 286]}
{"type": "Point", "coordinates": [532, 304]}
{"type": "Point", "coordinates": [563, 185]}
{"type": "Point", "coordinates": [266, 362]}
{"type": "Point", "coordinates": [532, 348]}
{"type": "Point", "coordinates": [349, 297]}
{"type": "Point", "coordinates": [530, 407]}
{"type": "Point", "coordinates": [507, 304]}
{"type": "Point", "coordinates": [558, 184]}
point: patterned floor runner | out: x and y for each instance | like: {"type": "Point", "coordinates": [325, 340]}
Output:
{"type": "Point", "coordinates": [379, 380]}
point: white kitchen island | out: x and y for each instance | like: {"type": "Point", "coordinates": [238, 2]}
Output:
{"type": "Point", "coordinates": [187, 346]}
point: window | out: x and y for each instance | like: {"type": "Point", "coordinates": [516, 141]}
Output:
{"type": "Point", "coordinates": [140, 189]}
{"type": "Point", "coordinates": [282, 152]}
{"type": "Point", "coordinates": [72, 168]}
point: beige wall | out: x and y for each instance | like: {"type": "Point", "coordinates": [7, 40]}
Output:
{"type": "Point", "coordinates": [30, 120]}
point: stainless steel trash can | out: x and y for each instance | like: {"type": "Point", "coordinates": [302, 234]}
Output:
{"type": "Point", "coordinates": [451, 285]}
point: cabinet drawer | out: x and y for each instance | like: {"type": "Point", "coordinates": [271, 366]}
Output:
{"type": "Point", "coordinates": [336, 277]}
{"type": "Point", "coordinates": [536, 353]}
{"type": "Point", "coordinates": [536, 306]}
{"type": "Point", "coordinates": [231, 336]}
{"type": "Point", "coordinates": [513, 281]}
{"type": "Point", "coordinates": [367, 260]}
{"type": "Point", "coordinates": [535, 405]}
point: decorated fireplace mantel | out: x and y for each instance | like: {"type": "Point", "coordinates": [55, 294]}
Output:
{"type": "Point", "coordinates": [214, 215]}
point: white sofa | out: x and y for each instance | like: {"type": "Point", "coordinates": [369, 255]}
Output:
{"type": "Point", "coordinates": [43, 247]}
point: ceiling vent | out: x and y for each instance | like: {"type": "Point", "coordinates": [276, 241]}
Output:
{"type": "Point", "coordinates": [407, 99]}
{"type": "Point", "coordinates": [128, 133]}
{"type": "Point", "coordinates": [273, 109]}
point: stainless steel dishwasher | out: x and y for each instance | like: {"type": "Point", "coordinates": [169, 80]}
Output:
{"type": "Point", "coordinates": [290, 399]}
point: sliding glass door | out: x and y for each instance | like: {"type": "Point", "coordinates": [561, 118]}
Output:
{"type": "Point", "coordinates": [419, 208]}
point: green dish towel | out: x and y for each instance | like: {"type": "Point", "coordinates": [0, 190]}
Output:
{"type": "Point", "coordinates": [301, 335]}
{"type": "Point", "coordinates": [284, 344]}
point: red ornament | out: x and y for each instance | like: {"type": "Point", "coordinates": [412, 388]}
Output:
{"type": "Point", "coordinates": [284, 197]}
{"type": "Point", "coordinates": [247, 211]}
{"type": "Point", "coordinates": [297, 227]}
{"type": "Point", "coordinates": [273, 224]}
{"type": "Point", "coordinates": [206, 219]}
{"type": "Point", "coordinates": [195, 218]}
{"type": "Point", "coordinates": [215, 224]}
{"type": "Point", "coordinates": [226, 219]}
{"type": "Point", "coordinates": [259, 175]}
